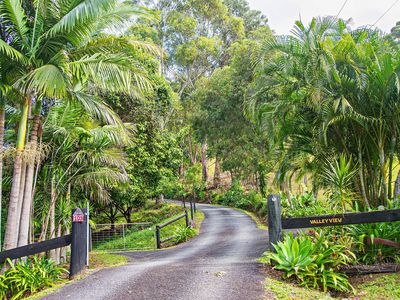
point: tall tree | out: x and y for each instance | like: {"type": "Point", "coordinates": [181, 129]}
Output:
{"type": "Point", "coordinates": [53, 50]}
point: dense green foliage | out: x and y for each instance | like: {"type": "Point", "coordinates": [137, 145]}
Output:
{"type": "Point", "coordinates": [28, 277]}
{"type": "Point", "coordinates": [183, 234]}
{"type": "Point", "coordinates": [114, 104]}
{"type": "Point", "coordinates": [314, 261]}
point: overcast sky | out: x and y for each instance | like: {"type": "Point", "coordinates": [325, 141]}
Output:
{"type": "Point", "coordinates": [282, 13]}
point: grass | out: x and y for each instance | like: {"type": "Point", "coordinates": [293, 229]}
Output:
{"type": "Point", "coordinates": [257, 219]}
{"type": "Point", "coordinates": [381, 287]}
{"type": "Point", "coordinates": [376, 287]}
{"type": "Point", "coordinates": [170, 229]}
{"type": "Point", "coordinates": [287, 291]}
{"type": "Point", "coordinates": [106, 260]}
{"type": "Point", "coordinates": [145, 239]}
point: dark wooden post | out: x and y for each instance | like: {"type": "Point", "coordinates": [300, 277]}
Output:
{"type": "Point", "coordinates": [187, 218]}
{"type": "Point", "coordinates": [158, 237]}
{"type": "Point", "coordinates": [274, 220]}
{"type": "Point", "coordinates": [191, 210]}
{"type": "Point", "coordinates": [194, 205]}
{"type": "Point", "coordinates": [78, 242]}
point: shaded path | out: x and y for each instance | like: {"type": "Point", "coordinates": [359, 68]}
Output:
{"type": "Point", "coordinates": [218, 264]}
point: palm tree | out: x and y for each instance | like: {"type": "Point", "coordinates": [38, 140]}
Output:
{"type": "Point", "coordinates": [85, 159]}
{"type": "Point", "coordinates": [53, 49]}
{"type": "Point", "coordinates": [327, 91]}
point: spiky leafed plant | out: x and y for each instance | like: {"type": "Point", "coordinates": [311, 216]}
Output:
{"type": "Point", "coordinates": [53, 49]}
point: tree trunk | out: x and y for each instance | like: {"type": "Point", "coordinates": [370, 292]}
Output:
{"type": "Point", "coordinates": [160, 199]}
{"type": "Point", "coordinates": [21, 194]}
{"type": "Point", "coordinates": [262, 180]}
{"type": "Point", "coordinates": [28, 196]}
{"type": "Point", "coordinates": [217, 173]}
{"type": "Point", "coordinates": [2, 119]}
{"type": "Point", "coordinates": [204, 162]}
{"type": "Point", "coordinates": [391, 157]}
{"type": "Point", "coordinates": [383, 171]}
{"type": "Point", "coordinates": [58, 250]}
{"type": "Point", "coordinates": [52, 214]}
{"type": "Point", "coordinates": [397, 187]}
{"type": "Point", "coordinates": [64, 250]}
{"type": "Point", "coordinates": [11, 235]}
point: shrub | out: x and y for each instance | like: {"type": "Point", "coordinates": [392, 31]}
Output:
{"type": "Point", "coordinates": [305, 205]}
{"type": "Point", "coordinates": [374, 252]}
{"type": "Point", "coordinates": [234, 195]}
{"type": "Point", "coordinates": [313, 261]}
{"type": "Point", "coordinates": [30, 276]}
{"type": "Point", "coordinates": [183, 234]}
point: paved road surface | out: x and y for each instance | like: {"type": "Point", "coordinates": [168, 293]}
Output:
{"type": "Point", "coordinates": [218, 264]}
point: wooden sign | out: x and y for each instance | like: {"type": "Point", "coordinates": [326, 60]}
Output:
{"type": "Point", "coordinates": [342, 219]}
{"type": "Point", "coordinates": [78, 216]}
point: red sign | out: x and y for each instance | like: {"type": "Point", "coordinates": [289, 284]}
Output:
{"type": "Point", "coordinates": [78, 216]}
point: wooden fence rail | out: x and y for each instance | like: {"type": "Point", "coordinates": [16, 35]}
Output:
{"type": "Point", "coordinates": [159, 241]}
{"type": "Point", "coordinates": [342, 219]}
{"type": "Point", "coordinates": [77, 239]}
{"type": "Point", "coordinates": [276, 224]}
{"type": "Point", "coordinates": [35, 248]}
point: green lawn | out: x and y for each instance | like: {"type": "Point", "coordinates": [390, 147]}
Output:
{"type": "Point", "coordinates": [376, 287]}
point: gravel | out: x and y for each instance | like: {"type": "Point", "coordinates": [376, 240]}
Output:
{"type": "Point", "coordinates": [221, 263]}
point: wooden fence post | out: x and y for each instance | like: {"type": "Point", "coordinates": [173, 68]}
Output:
{"type": "Point", "coordinates": [78, 241]}
{"type": "Point", "coordinates": [191, 210]}
{"type": "Point", "coordinates": [187, 218]}
{"type": "Point", "coordinates": [158, 237]}
{"type": "Point", "coordinates": [274, 220]}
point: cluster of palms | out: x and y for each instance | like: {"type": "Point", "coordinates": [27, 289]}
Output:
{"type": "Point", "coordinates": [327, 91]}
{"type": "Point", "coordinates": [56, 57]}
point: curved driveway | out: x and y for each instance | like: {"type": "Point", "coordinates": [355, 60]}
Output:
{"type": "Point", "coordinates": [218, 264]}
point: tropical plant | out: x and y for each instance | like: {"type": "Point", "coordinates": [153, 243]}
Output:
{"type": "Point", "coordinates": [305, 205]}
{"type": "Point", "coordinates": [30, 276]}
{"type": "Point", "coordinates": [314, 261]}
{"type": "Point", "coordinates": [339, 177]}
{"type": "Point", "coordinates": [325, 91]}
{"type": "Point", "coordinates": [369, 250]}
{"type": "Point", "coordinates": [56, 51]}
{"type": "Point", "coordinates": [183, 234]}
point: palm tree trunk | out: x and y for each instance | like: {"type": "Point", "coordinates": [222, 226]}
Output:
{"type": "Point", "coordinates": [11, 235]}
{"type": "Point", "coordinates": [52, 218]}
{"type": "Point", "coordinates": [28, 197]}
{"type": "Point", "coordinates": [383, 172]}
{"type": "Point", "coordinates": [21, 192]}
{"type": "Point", "coordinates": [396, 192]}
{"type": "Point", "coordinates": [361, 175]}
{"type": "Point", "coordinates": [2, 119]}
{"type": "Point", "coordinates": [391, 158]}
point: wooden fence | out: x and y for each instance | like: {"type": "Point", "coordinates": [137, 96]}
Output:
{"type": "Point", "coordinates": [276, 224]}
{"type": "Point", "coordinates": [159, 241]}
{"type": "Point", "coordinates": [77, 239]}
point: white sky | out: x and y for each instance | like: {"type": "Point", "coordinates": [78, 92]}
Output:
{"type": "Point", "coordinates": [283, 13]}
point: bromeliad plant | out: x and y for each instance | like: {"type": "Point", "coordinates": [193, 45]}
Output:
{"type": "Point", "coordinates": [313, 261]}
